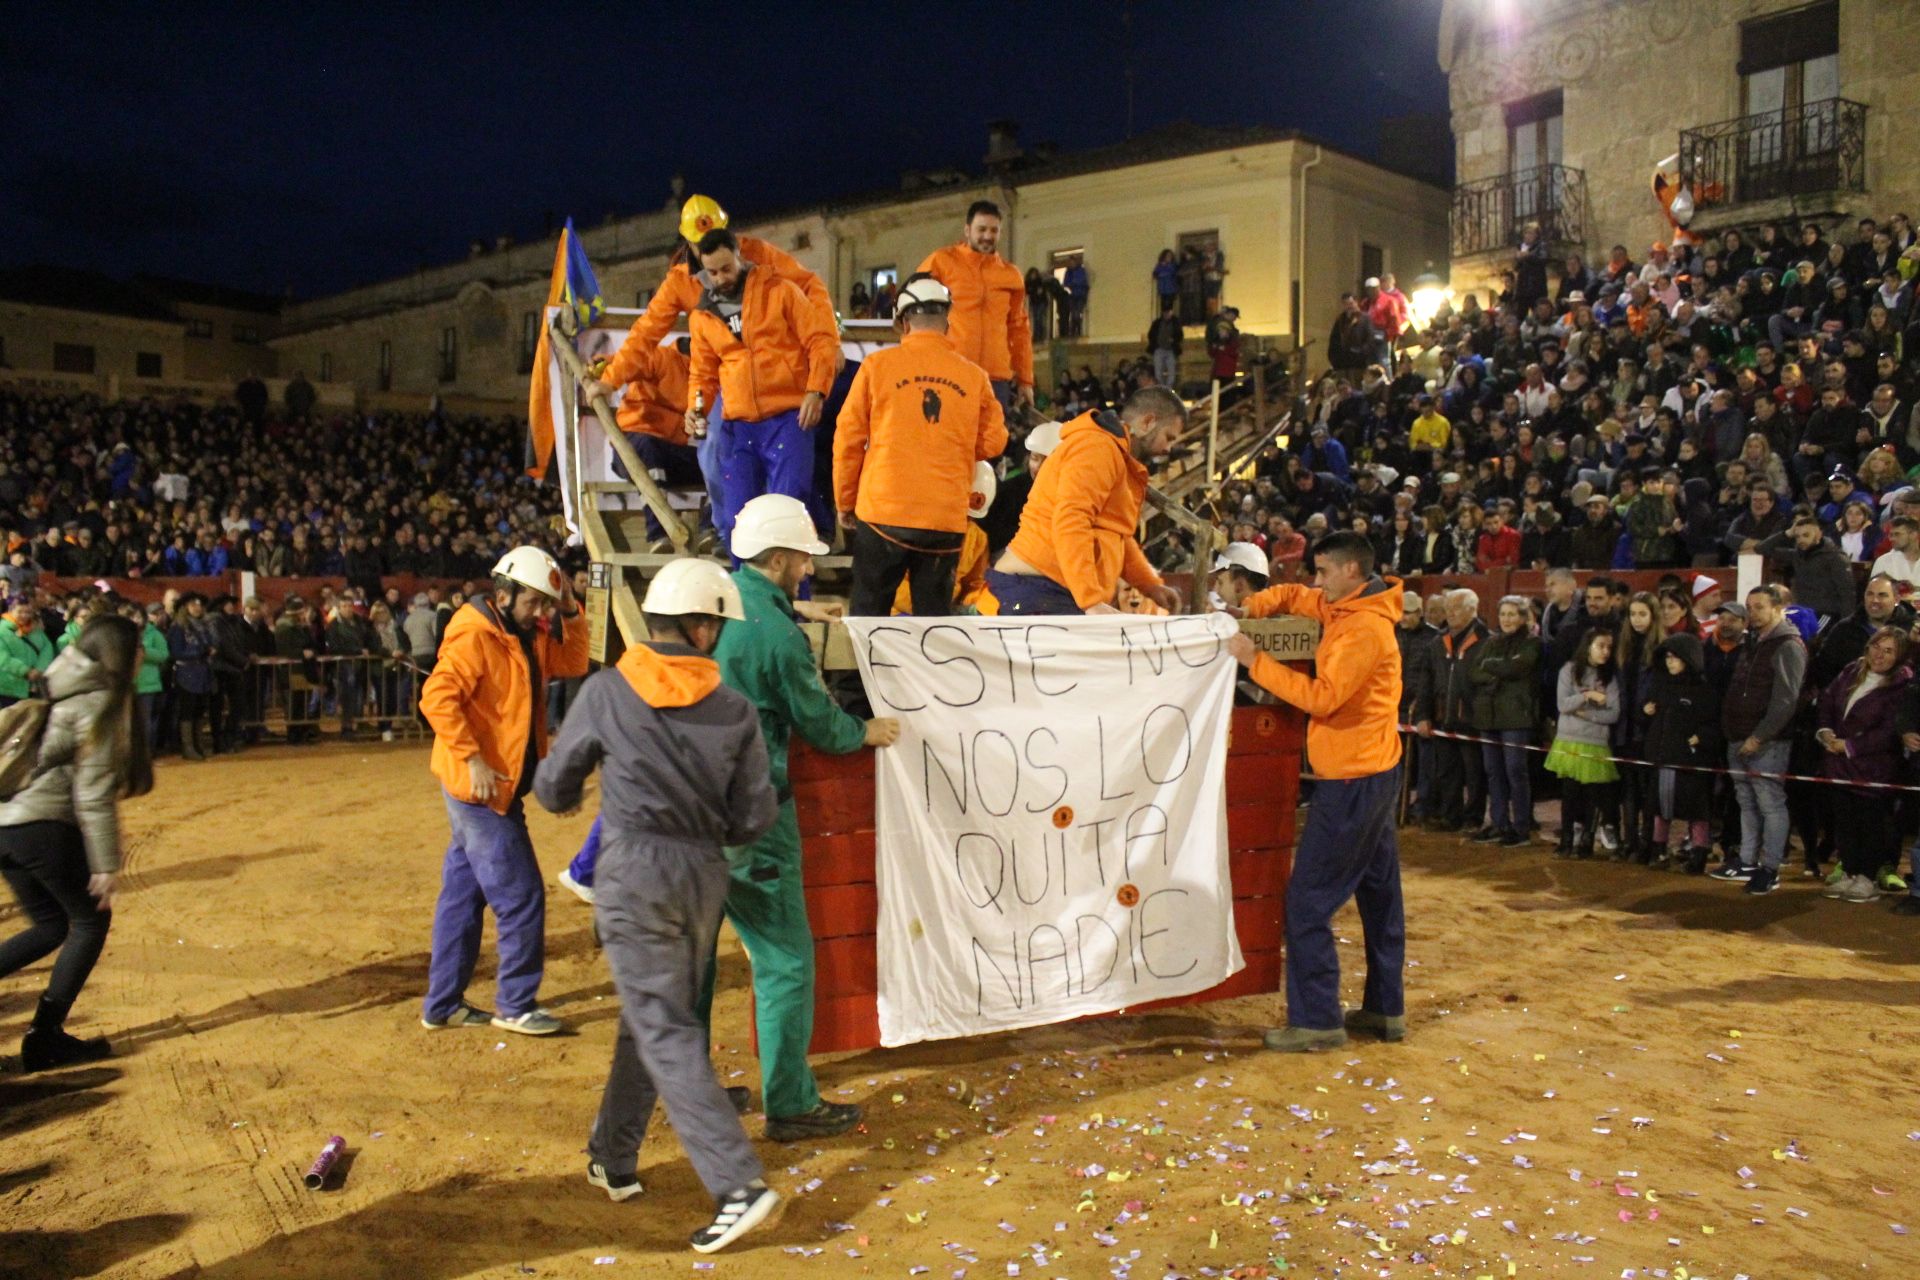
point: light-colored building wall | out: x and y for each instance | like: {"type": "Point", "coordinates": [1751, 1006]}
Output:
{"type": "Point", "coordinates": [1352, 205]}
{"type": "Point", "coordinates": [899, 234]}
{"type": "Point", "coordinates": [1635, 73]}
{"type": "Point", "coordinates": [227, 353]}
{"type": "Point", "coordinates": [29, 333]}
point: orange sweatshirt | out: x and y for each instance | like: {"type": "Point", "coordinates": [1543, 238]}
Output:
{"type": "Point", "coordinates": [481, 698]}
{"type": "Point", "coordinates": [783, 351]}
{"type": "Point", "coordinates": [1080, 519]}
{"type": "Point", "coordinates": [655, 403]}
{"type": "Point", "coordinates": [679, 294]}
{"type": "Point", "coordinates": [1353, 696]}
{"type": "Point", "coordinates": [988, 323]}
{"type": "Point", "coordinates": [916, 419]}
{"type": "Point", "coordinates": [668, 679]}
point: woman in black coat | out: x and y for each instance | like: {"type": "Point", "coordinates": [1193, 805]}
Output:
{"type": "Point", "coordinates": [1400, 548]}
{"type": "Point", "coordinates": [1683, 729]}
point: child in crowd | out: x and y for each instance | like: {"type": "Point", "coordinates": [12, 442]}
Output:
{"type": "Point", "coordinates": [1683, 734]}
{"type": "Point", "coordinates": [1588, 700]}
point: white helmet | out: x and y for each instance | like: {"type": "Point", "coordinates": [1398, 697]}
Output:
{"type": "Point", "coordinates": [1244, 555]}
{"type": "Point", "coordinates": [1044, 439]}
{"type": "Point", "coordinates": [692, 585]}
{"type": "Point", "coordinates": [775, 521]}
{"type": "Point", "coordinates": [533, 569]}
{"type": "Point", "coordinates": [985, 485]}
{"type": "Point", "coordinates": [921, 292]}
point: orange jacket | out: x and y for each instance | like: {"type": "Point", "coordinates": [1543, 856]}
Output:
{"type": "Point", "coordinates": [969, 576]}
{"type": "Point", "coordinates": [988, 323]}
{"type": "Point", "coordinates": [916, 419]}
{"type": "Point", "coordinates": [1353, 696]}
{"type": "Point", "coordinates": [680, 292]}
{"type": "Point", "coordinates": [668, 679]}
{"type": "Point", "coordinates": [1079, 522]}
{"type": "Point", "coordinates": [655, 403]}
{"type": "Point", "coordinates": [784, 350]}
{"type": "Point", "coordinates": [481, 701]}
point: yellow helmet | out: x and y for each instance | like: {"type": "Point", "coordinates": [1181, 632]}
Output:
{"type": "Point", "coordinates": [699, 215]}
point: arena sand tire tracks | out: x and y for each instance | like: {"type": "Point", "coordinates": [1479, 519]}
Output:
{"type": "Point", "coordinates": [267, 959]}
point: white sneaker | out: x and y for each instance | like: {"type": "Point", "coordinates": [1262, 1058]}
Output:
{"type": "Point", "coordinates": [534, 1022]}
{"type": "Point", "coordinates": [386, 735]}
{"type": "Point", "coordinates": [740, 1211]}
{"type": "Point", "coordinates": [617, 1186]}
{"type": "Point", "coordinates": [1605, 837]}
{"type": "Point", "coordinates": [584, 892]}
{"type": "Point", "coordinates": [1858, 889]}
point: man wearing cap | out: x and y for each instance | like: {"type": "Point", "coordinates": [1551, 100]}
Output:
{"type": "Point", "coordinates": [916, 420]}
{"type": "Point", "coordinates": [1593, 543]}
{"type": "Point", "coordinates": [487, 703]}
{"type": "Point", "coordinates": [988, 317]}
{"type": "Point", "coordinates": [765, 656]}
{"type": "Point", "coordinates": [1076, 541]}
{"type": "Point", "coordinates": [1707, 599]}
{"type": "Point", "coordinates": [664, 880]}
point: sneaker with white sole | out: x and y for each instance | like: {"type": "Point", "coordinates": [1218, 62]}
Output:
{"type": "Point", "coordinates": [739, 1211]}
{"type": "Point", "coordinates": [1857, 889]}
{"type": "Point", "coordinates": [1731, 871]}
{"type": "Point", "coordinates": [618, 1186]}
{"type": "Point", "coordinates": [1763, 880]}
{"type": "Point", "coordinates": [584, 892]}
{"type": "Point", "coordinates": [465, 1016]}
{"type": "Point", "coordinates": [534, 1022]}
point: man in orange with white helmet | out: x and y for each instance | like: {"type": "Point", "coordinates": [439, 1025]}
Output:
{"type": "Point", "coordinates": [989, 323]}
{"type": "Point", "coordinates": [916, 420]}
{"type": "Point", "coordinates": [486, 701]}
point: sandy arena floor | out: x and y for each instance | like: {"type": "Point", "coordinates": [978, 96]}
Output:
{"type": "Point", "coordinates": [1611, 1072]}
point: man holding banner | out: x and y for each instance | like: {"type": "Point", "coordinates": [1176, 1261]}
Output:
{"type": "Point", "coordinates": [1349, 847]}
{"type": "Point", "coordinates": [1076, 539]}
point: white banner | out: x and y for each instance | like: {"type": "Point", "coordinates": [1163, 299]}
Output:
{"type": "Point", "coordinates": [1052, 824]}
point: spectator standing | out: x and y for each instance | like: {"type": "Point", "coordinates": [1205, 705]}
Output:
{"type": "Point", "coordinates": [1165, 339]}
{"type": "Point", "coordinates": [299, 398]}
{"type": "Point", "coordinates": [251, 395]}
{"type": "Point", "coordinates": [1822, 577]}
{"type": "Point", "coordinates": [988, 323]}
{"type": "Point", "coordinates": [1446, 687]}
{"type": "Point", "coordinates": [1078, 290]}
{"type": "Point", "coordinates": [1040, 304]}
{"type": "Point", "coordinates": [1587, 697]}
{"type": "Point", "coordinates": [1858, 730]}
{"type": "Point", "coordinates": [25, 651]}
{"type": "Point", "coordinates": [1683, 738]}
{"type": "Point", "coordinates": [1166, 283]}
{"type": "Point", "coordinates": [1413, 635]}
{"type": "Point", "coordinates": [191, 642]}
{"type": "Point", "coordinates": [1636, 656]}
{"type": "Point", "coordinates": [1213, 277]}
{"type": "Point", "coordinates": [1505, 673]}
{"type": "Point", "coordinates": [1223, 344]}
{"type": "Point", "coordinates": [1756, 715]}
{"type": "Point", "coordinates": [1529, 269]}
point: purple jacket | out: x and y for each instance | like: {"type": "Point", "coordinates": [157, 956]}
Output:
{"type": "Point", "coordinates": [1873, 742]}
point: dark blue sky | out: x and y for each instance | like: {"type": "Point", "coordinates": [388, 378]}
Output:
{"type": "Point", "coordinates": [322, 146]}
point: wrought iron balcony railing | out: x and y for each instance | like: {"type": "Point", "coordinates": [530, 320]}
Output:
{"type": "Point", "coordinates": [1490, 214]}
{"type": "Point", "coordinates": [1811, 149]}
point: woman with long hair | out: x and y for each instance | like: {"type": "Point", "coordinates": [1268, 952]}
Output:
{"type": "Point", "coordinates": [1505, 675]}
{"type": "Point", "coordinates": [1587, 696]}
{"type": "Point", "coordinates": [1636, 655]}
{"type": "Point", "coordinates": [60, 834]}
{"type": "Point", "coordinates": [1437, 551]}
{"type": "Point", "coordinates": [1859, 734]}
{"type": "Point", "coordinates": [1399, 547]}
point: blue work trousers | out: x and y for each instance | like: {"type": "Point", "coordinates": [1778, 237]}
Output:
{"type": "Point", "coordinates": [1348, 849]}
{"type": "Point", "coordinates": [489, 864]}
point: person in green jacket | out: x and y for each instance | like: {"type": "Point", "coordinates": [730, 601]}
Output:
{"type": "Point", "coordinates": [766, 657]}
{"type": "Point", "coordinates": [25, 651]}
{"type": "Point", "coordinates": [150, 684]}
{"type": "Point", "coordinates": [1504, 673]}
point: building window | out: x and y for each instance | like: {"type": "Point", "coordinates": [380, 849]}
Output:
{"type": "Point", "coordinates": [449, 354]}
{"type": "Point", "coordinates": [72, 357]}
{"type": "Point", "coordinates": [245, 333]}
{"type": "Point", "coordinates": [529, 340]}
{"type": "Point", "coordinates": [1373, 261]}
{"type": "Point", "coordinates": [1192, 252]}
{"type": "Point", "coordinates": [199, 328]}
{"type": "Point", "coordinates": [802, 240]}
{"type": "Point", "coordinates": [386, 365]}
{"type": "Point", "coordinates": [326, 366]}
{"type": "Point", "coordinates": [1787, 63]}
{"type": "Point", "coordinates": [146, 364]}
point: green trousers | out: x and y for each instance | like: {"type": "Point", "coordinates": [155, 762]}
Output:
{"type": "Point", "coordinates": [769, 912]}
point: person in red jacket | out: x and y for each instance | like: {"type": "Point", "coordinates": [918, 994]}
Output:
{"type": "Point", "coordinates": [988, 323]}
{"type": "Point", "coordinates": [1498, 546]}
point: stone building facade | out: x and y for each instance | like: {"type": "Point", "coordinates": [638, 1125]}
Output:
{"type": "Point", "coordinates": [1779, 110]}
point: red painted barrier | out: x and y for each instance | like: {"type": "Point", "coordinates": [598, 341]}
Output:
{"type": "Point", "coordinates": [835, 796]}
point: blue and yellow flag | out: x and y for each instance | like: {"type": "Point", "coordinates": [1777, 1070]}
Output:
{"type": "Point", "coordinates": [573, 286]}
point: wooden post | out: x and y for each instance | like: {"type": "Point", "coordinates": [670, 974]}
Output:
{"type": "Point", "coordinates": [1213, 430]}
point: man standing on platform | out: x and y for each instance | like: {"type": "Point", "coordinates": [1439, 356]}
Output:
{"type": "Point", "coordinates": [1349, 848]}
{"type": "Point", "coordinates": [989, 323]}
{"type": "Point", "coordinates": [766, 657]}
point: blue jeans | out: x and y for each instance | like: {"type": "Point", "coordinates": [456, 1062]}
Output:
{"type": "Point", "coordinates": [1166, 366]}
{"type": "Point", "coordinates": [1004, 391]}
{"type": "Point", "coordinates": [1763, 804]}
{"type": "Point", "coordinates": [772, 455]}
{"type": "Point", "coordinates": [1030, 593]}
{"type": "Point", "coordinates": [489, 864]}
{"type": "Point", "coordinates": [1349, 848]}
{"type": "Point", "coordinates": [581, 868]}
{"type": "Point", "coordinates": [1507, 781]}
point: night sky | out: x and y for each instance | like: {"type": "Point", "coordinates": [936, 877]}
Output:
{"type": "Point", "coordinates": [320, 146]}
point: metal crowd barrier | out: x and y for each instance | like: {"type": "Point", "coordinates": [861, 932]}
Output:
{"type": "Point", "coordinates": [303, 697]}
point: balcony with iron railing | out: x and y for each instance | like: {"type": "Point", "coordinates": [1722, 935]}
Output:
{"type": "Point", "coordinates": [1817, 148]}
{"type": "Point", "coordinates": [1489, 215]}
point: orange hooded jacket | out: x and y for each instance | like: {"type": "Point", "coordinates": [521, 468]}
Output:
{"type": "Point", "coordinates": [481, 701]}
{"type": "Point", "coordinates": [680, 293]}
{"type": "Point", "coordinates": [655, 403]}
{"type": "Point", "coordinates": [1353, 696]}
{"type": "Point", "coordinates": [1080, 519]}
{"type": "Point", "coordinates": [988, 322]}
{"type": "Point", "coordinates": [916, 419]}
{"type": "Point", "coordinates": [668, 679]}
{"type": "Point", "coordinates": [783, 351]}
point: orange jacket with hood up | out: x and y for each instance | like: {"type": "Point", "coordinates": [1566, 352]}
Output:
{"type": "Point", "coordinates": [1353, 695]}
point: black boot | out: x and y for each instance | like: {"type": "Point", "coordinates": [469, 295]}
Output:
{"type": "Point", "coordinates": [46, 1046]}
{"type": "Point", "coordinates": [1583, 841]}
{"type": "Point", "coordinates": [1697, 860]}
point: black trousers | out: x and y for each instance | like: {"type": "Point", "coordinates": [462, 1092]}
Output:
{"type": "Point", "coordinates": [230, 689]}
{"type": "Point", "coordinates": [1459, 780]}
{"type": "Point", "coordinates": [1864, 831]}
{"type": "Point", "coordinates": [45, 864]}
{"type": "Point", "coordinates": [880, 562]}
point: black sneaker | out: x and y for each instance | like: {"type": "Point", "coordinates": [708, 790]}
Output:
{"type": "Point", "coordinates": [1512, 840]}
{"type": "Point", "coordinates": [618, 1186]}
{"type": "Point", "coordinates": [1731, 871]}
{"type": "Point", "coordinates": [1763, 880]}
{"type": "Point", "coordinates": [739, 1211]}
{"type": "Point", "coordinates": [824, 1121]}
{"type": "Point", "coordinates": [1907, 906]}
{"type": "Point", "coordinates": [1487, 835]}
{"type": "Point", "coordinates": [741, 1098]}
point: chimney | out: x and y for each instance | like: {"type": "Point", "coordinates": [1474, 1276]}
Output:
{"type": "Point", "coordinates": [1003, 141]}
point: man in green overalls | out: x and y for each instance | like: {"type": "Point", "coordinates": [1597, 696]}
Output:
{"type": "Point", "coordinates": [766, 657]}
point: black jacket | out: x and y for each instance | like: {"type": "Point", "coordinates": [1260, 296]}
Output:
{"type": "Point", "coordinates": [1414, 665]}
{"type": "Point", "coordinates": [1446, 694]}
